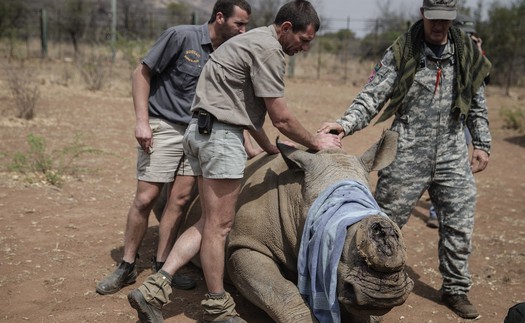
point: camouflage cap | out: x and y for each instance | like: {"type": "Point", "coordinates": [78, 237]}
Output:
{"type": "Point", "coordinates": [440, 9]}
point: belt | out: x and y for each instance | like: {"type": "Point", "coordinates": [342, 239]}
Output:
{"type": "Point", "coordinates": [201, 111]}
{"type": "Point", "coordinates": [196, 113]}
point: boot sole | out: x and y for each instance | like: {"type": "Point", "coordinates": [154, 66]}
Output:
{"type": "Point", "coordinates": [137, 301]}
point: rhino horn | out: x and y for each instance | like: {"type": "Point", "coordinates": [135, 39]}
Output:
{"type": "Point", "coordinates": [382, 153]}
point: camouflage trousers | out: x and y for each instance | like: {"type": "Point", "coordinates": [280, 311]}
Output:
{"type": "Point", "coordinates": [444, 170]}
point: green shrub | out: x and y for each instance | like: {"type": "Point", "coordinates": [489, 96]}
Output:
{"type": "Point", "coordinates": [513, 118]}
{"type": "Point", "coordinates": [52, 166]}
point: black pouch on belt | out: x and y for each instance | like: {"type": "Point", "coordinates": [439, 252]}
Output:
{"type": "Point", "coordinates": [205, 122]}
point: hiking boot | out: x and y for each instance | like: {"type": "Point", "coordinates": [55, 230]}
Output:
{"type": "Point", "coordinates": [220, 308]}
{"type": "Point", "coordinates": [182, 282]}
{"type": "Point", "coordinates": [124, 275]}
{"type": "Point", "coordinates": [432, 221]}
{"type": "Point", "coordinates": [460, 305]}
{"type": "Point", "coordinates": [177, 281]}
{"type": "Point", "coordinates": [147, 313]}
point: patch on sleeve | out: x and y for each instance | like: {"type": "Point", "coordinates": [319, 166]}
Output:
{"type": "Point", "coordinates": [374, 72]}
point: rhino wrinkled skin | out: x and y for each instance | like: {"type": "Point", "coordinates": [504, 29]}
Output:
{"type": "Point", "coordinates": [263, 246]}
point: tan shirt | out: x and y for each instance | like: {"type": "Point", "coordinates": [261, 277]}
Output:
{"type": "Point", "coordinates": [239, 74]}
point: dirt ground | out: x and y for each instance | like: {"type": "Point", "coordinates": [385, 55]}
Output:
{"type": "Point", "coordinates": [56, 243]}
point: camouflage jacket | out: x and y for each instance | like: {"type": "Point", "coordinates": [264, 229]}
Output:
{"type": "Point", "coordinates": [426, 106]}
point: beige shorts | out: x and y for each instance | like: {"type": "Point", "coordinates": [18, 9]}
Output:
{"type": "Point", "coordinates": [219, 155]}
{"type": "Point", "coordinates": [167, 156]}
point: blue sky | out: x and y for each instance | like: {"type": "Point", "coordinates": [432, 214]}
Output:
{"type": "Point", "coordinates": [359, 12]}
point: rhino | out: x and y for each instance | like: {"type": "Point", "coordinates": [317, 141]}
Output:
{"type": "Point", "coordinates": [263, 248]}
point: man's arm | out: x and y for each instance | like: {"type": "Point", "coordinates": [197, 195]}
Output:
{"type": "Point", "coordinates": [288, 125]}
{"type": "Point", "coordinates": [251, 151]}
{"type": "Point", "coordinates": [140, 85]}
{"type": "Point", "coordinates": [478, 125]}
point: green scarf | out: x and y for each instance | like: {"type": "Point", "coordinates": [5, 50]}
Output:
{"type": "Point", "coordinates": [472, 69]}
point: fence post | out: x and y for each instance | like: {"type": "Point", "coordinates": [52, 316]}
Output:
{"type": "Point", "coordinates": [59, 30]}
{"type": "Point", "coordinates": [43, 32]}
{"type": "Point", "coordinates": [194, 18]}
{"type": "Point", "coordinates": [113, 29]}
{"type": "Point", "coordinates": [319, 60]}
{"type": "Point", "coordinates": [346, 43]}
{"type": "Point", "coordinates": [291, 67]}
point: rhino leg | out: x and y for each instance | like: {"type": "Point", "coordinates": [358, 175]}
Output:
{"type": "Point", "coordinates": [258, 278]}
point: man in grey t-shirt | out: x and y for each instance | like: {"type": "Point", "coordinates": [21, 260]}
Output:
{"type": "Point", "coordinates": [163, 89]}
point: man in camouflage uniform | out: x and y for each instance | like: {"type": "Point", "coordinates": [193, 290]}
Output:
{"type": "Point", "coordinates": [433, 76]}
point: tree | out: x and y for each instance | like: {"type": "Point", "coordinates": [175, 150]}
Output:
{"type": "Point", "coordinates": [11, 15]}
{"type": "Point", "coordinates": [266, 11]}
{"type": "Point", "coordinates": [179, 13]}
{"type": "Point", "coordinates": [338, 41]}
{"type": "Point", "coordinates": [384, 30]}
{"type": "Point", "coordinates": [74, 20]}
{"type": "Point", "coordinates": [503, 40]}
{"type": "Point", "coordinates": [12, 20]}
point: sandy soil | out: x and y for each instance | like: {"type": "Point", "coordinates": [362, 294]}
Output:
{"type": "Point", "coordinates": [56, 243]}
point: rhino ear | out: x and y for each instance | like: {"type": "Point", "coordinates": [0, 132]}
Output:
{"type": "Point", "coordinates": [296, 159]}
{"type": "Point", "coordinates": [382, 153]}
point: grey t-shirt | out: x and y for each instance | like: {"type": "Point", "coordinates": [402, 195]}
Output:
{"type": "Point", "coordinates": [240, 73]}
{"type": "Point", "coordinates": [176, 61]}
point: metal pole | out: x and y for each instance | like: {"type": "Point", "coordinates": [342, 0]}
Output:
{"type": "Point", "coordinates": [291, 67]}
{"type": "Point", "coordinates": [113, 28]}
{"type": "Point", "coordinates": [43, 32]}
{"type": "Point", "coordinates": [194, 18]}
{"type": "Point", "coordinates": [320, 47]}
{"type": "Point", "coordinates": [347, 48]}
{"type": "Point", "coordinates": [59, 29]}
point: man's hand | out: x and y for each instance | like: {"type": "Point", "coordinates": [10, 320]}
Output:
{"type": "Point", "coordinates": [327, 141]}
{"type": "Point", "coordinates": [332, 127]}
{"type": "Point", "coordinates": [144, 136]}
{"type": "Point", "coordinates": [478, 41]}
{"type": "Point", "coordinates": [480, 160]}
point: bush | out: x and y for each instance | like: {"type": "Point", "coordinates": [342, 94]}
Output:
{"type": "Point", "coordinates": [53, 166]}
{"type": "Point", "coordinates": [513, 118]}
{"type": "Point", "coordinates": [25, 92]}
{"type": "Point", "coordinates": [95, 71]}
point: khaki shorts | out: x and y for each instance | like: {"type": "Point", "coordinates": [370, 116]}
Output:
{"type": "Point", "coordinates": [161, 165]}
{"type": "Point", "coordinates": [218, 155]}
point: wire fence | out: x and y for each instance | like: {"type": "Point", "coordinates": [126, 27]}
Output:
{"type": "Point", "coordinates": [59, 33]}
{"type": "Point", "coordinates": [73, 38]}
